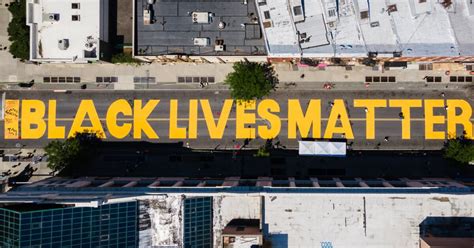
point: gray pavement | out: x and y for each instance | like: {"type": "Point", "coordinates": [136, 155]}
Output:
{"type": "Point", "coordinates": [349, 84]}
{"type": "Point", "coordinates": [387, 123]}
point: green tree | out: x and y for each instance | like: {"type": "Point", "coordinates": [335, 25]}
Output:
{"type": "Point", "coordinates": [264, 151]}
{"type": "Point", "coordinates": [18, 31]}
{"type": "Point", "coordinates": [251, 80]}
{"type": "Point", "coordinates": [460, 149]}
{"type": "Point", "coordinates": [72, 152]}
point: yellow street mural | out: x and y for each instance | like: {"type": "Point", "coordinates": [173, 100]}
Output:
{"type": "Point", "coordinates": [11, 118]}
{"type": "Point", "coordinates": [35, 119]}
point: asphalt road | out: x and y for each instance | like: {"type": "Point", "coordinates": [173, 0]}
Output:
{"type": "Point", "coordinates": [388, 122]}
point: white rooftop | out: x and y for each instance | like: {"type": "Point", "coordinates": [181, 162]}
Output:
{"type": "Point", "coordinates": [64, 30]}
{"type": "Point", "coordinates": [313, 220]}
{"type": "Point", "coordinates": [353, 28]}
{"type": "Point", "coordinates": [357, 220]}
{"type": "Point", "coordinates": [279, 30]}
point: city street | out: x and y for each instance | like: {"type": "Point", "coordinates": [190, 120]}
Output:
{"type": "Point", "coordinates": [388, 122]}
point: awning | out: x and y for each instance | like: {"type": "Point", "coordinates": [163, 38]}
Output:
{"type": "Point", "coordinates": [322, 148]}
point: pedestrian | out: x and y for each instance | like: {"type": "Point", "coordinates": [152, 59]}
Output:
{"type": "Point", "coordinates": [446, 107]}
{"type": "Point", "coordinates": [386, 138]}
{"type": "Point", "coordinates": [339, 116]}
{"type": "Point", "coordinates": [442, 94]}
{"type": "Point", "coordinates": [331, 103]}
{"type": "Point", "coordinates": [401, 115]}
{"type": "Point", "coordinates": [302, 76]}
{"type": "Point", "coordinates": [366, 110]}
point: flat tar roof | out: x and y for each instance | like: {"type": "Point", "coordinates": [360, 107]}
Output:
{"type": "Point", "coordinates": [172, 30]}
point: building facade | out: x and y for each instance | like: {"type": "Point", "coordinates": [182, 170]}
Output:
{"type": "Point", "coordinates": [48, 225]}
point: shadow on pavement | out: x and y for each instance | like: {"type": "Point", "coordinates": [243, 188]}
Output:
{"type": "Point", "coordinates": [143, 159]}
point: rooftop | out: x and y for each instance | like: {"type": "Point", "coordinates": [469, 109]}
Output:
{"type": "Point", "coordinates": [337, 220]}
{"type": "Point", "coordinates": [197, 27]}
{"type": "Point", "coordinates": [64, 30]}
{"type": "Point", "coordinates": [410, 28]}
{"type": "Point", "coordinates": [291, 216]}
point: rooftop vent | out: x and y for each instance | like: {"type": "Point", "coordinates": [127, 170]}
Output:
{"type": "Point", "coordinates": [63, 44]}
{"type": "Point", "coordinates": [447, 3]}
{"type": "Point", "coordinates": [219, 48]}
{"type": "Point", "coordinates": [201, 17]}
{"type": "Point", "coordinates": [50, 17]}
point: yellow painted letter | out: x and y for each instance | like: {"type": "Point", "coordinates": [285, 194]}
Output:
{"type": "Point", "coordinates": [265, 109]}
{"type": "Point", "coordinates": [463, 119]}
{"type": "Point", "coordinates": [175, 131]}
{"type": "Point", "coordinates": [431, 119]}
{"type": "Point", "coordinates": [54, 132]}
{"type": "Point", "coordinates": [193, 119]}
{"type": "Point", "coordinates": [120, 106]}
{"type": "Point", "coordinates": [140, 116]}
{"type": "Point", "coordinates": [405, 106]}
{"type": "Point", "coordinates": [216, 131]}
{"type": "Point", "coordinates": [32, 113]}
{"type": "Point", "coordinates": [303, 122]}
{"type": "Point", "coordinates": [243, 119]}
{"type": "Point", "coordinates": [370, 105]}
{"type": "Point", "coordinates": [338, 111]}
{"type": "Point", "coordinates": [86, 108]}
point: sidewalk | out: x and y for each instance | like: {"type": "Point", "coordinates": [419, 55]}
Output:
{"type": "Point", "coordinates": [165, 77]}
{"type": "Point", "coordinates": [25, 164]}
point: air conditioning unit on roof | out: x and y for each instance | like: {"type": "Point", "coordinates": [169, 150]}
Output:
{"type": "Point", "coordinates": [53, 17]}
{"type": "Point", "coordinates": [219, 48]}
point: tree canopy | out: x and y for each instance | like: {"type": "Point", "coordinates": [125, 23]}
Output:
{"type": "Point", "coordinates": [460, 149]}
{"type": "Point", "coordinates": [18, 31]}
{"type": "Point", "coordinates": [251, 80]}
{"type": "Point", "coordinates": [72, 152]}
